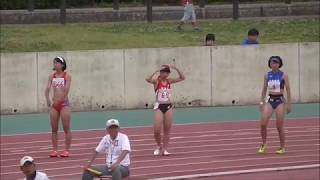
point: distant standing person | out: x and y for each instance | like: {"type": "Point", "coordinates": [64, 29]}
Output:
{"type": "Point", "coordinates": [60, 82]}
{"type": "Point", "coordinates": [28, 167]}
{"type": "Point", "coordinates": [275, 83]}
{"type": "Point", "coordinates": [163, 114]}
{"type": "Point", "coordinates": [253, 35]}
{"type": "Point", "coordinates": [189, 14]}
{"type": "Point", "coordinates": [210, 40]}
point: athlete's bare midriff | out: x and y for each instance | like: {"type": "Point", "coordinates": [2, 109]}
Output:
{"type": "Point", "coordinates": [59, 95]}
{"type": "Point", "coordinates": [277, 93]}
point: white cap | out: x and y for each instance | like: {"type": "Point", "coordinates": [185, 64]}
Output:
{"type": "Point", "coordinates": [112, 122]}
{"type": "Point", "coordinates": [26, 159]}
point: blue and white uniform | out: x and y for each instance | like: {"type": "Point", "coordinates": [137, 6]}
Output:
{"type": "Point", "coordinates": [276, 83]}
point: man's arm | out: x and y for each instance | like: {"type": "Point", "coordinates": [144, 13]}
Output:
{"type": "Point", "coordinates": [93, 157]}
{"type": "Point", "coordinates": [100, 148]}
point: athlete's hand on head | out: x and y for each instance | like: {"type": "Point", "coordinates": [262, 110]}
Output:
{"type": "Point", "coordinates": [171, 66]}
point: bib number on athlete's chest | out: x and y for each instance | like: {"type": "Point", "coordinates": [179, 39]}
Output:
{"type": "Point", "coordinates": [274, 85]}
{"type": "Point", "coordinates": [163, 95]}
{"type": "Point", "coordinates": [58, 82]}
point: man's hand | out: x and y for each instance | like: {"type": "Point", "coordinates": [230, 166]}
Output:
{"type": "Point", "coordinates": [114, 166]}
{"type": "Point", "coordinates": [85, 167]}
{"type": "Point", "coordinates": [88, 165]}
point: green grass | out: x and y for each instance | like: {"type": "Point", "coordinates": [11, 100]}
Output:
{"type": "Point", "coordinates": [24, 38]}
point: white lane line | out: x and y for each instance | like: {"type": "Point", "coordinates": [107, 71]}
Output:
{"type": "Point", "coordinates": [96, 139]}
{"type": "Point", "coordinates": [190, 164]}
{"type": "Point", "coordinates": [185, 140]}
{"type": "Point", "coordinates": [181, 137]}
{"type": "Point", "coordinates": [249, 149]}
{"type": "Point", "coordinates": [238, 172]}
{"type": "Point", "coordinates": [17, 151]}
{"type": "Point", "coordinates": [313, 129]}
{"type": "Point", "coordinates": [42, 147]}
{"type": "Point", "coordinates": [172, 158]}
{"type": "Point", "coordinates": [225, 161]}
{"type": "Point", "coordinates": [192, 146]}
{"type": "Point", "coordinates": [200, 169]}
{"type": "Point", "coordinates": [186, 124]}
{"type": "Point", "coordinates": [198, 133]}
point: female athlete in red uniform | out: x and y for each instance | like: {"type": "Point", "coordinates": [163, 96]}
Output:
{"type": "Point", "coordinates": [163, 106]}
{"type": "Point", "coordinates": [59, 107]}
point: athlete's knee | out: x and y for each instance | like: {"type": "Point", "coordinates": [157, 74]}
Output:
{"type": "Point", "coordinates": [54, 131]}
{"type": "Point", "coordinates": [167, 130]}
{"type": "Point", "coordinates": [157, 133]}
{"type": "Point", "coordinates": [280, 126]}
{"type": "Point", "coordinates": [157, 129]}
{"type": "Point", "coordinates": [66, 129]}
{"type": "Point", "coordinates": [68, 132]}
{"type": "Point", "coordinates": [54, 126]}
{"type": "Point", "coordinates": [263, 125]}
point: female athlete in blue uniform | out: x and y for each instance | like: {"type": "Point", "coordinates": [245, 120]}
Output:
{"type": "Point", "coordinates": [274, 81]}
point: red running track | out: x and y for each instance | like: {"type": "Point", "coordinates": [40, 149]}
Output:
{"type": "Point", "coordinates": [198, 149]}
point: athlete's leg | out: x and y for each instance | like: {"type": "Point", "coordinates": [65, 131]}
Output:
{"type": "Point", "coordinates": [265, 117]}
{"type": "Point", "coordinates": [167, 124]}
{"type": "Point", "coordinates": [158, 121]}
{"type": "Point", "coordinates": [54, 122]}
{"type": "Point", "coordinates": [66, 118]}
{"type": "Point", "coordinates": [280, 113]}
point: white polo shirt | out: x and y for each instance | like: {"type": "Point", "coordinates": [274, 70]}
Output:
{"type": "Point", "coordinates": [40, 176]}
{"type": "Point", "coordinates": [113, 149]}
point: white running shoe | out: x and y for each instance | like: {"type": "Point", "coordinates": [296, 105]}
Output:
{"type": "Point", "coordinates": [156, 152]}
{"type": "Point", "coordinates": [166, 153]}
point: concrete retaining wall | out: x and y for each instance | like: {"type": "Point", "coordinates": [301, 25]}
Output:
{"type": "Point", "coordinates": [115, 79]}
{"type": "Point", "coordinates": [309, 72]}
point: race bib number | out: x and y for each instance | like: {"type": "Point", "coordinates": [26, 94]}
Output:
{"type": "Point", "coordinates": [58, 82]}
{"type": "Point", "coordinates": [163, 95]}
{"type": "Point", "coordinates": [274, 86]}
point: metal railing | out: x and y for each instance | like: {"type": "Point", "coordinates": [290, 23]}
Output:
{"type": "Point", "coordinates": [149, 4]}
